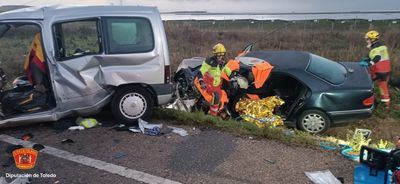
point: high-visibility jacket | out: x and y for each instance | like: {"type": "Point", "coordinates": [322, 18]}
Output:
{"type": "Point", "coordinates": [379, 55]}
{"type": "Point", "coordinates": [211, 67]}
{"type": "Point", "coordinates": [35, 57]}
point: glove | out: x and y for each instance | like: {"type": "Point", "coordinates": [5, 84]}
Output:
{"type": "Point", "coordinates": [202, 84]}
{"type": "Point", "coordinates": [363, 63]}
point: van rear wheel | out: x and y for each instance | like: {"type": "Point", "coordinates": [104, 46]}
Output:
{"type": "Point", "coordinates": [131, 103]}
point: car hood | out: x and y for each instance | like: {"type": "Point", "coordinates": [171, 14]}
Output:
{"type": "Point", "coordinates": [357, 76]}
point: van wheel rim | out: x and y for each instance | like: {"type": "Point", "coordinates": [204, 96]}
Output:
{"type": "Point", "coordinates": [133, 105]}
{"type": "Point", "coordinates": [313, 123]}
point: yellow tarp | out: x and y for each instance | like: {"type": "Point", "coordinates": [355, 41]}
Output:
{"type": "Point", "coordinates": [260, 112]}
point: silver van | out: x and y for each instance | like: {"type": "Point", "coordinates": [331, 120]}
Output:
{"type": "Point", "coordinates": [76, 60]}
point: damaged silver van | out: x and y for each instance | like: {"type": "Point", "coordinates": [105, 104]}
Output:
{"type": "Point", "coordinates": [61, 61]}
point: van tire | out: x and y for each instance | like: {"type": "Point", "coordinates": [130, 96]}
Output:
{"type": "Point", "coordinates": [314, 121]}
{"type": "Point", "coordinates": [131, 103]}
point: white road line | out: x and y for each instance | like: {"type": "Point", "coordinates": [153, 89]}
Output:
{"type": "Point", "coordinates": [80, 159]}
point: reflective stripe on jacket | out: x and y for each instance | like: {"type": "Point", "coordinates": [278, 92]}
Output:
{"type": "Point", "coordinates": [215, 70]}
{"type": "Point", "coordinates": [383, 64]}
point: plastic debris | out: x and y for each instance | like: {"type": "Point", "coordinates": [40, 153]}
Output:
{"type": "Point", "coordinates": [27, 136]}
{"type": "Point", "coordinates": [135, 130]}
{"type": "Point", "coordinates": [180, 131]}
{"type": "Point", "coordinates": [288, 133]}
{"type": "Point", "coordinates": [183, 105]}
{"type": "Point", "coordinates": [260, 112]}
{"type": "Point", "coordinates": [76, 128]}
{"type": "Point", "coordinates": [149, 129]}
{"type": "Point", "coordinates": [322, 177]}
{"type": "Point", "coordinates": [67, 141]}
{"type": "Point", "coordinates": [121, 127]}
{"type": "Point", "coordinates": [86, 122]}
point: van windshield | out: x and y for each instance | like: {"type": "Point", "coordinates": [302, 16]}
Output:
{"type": "Point", "coordinates": [326, 69]}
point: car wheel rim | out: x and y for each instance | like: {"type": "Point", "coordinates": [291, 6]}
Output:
{"type": "Point", "coordinates": [313, 123]}
{"type": "Point", "coordinates": [133, 105]}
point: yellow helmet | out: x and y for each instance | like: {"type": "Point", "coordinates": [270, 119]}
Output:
{"type": "Point", "coordinates": [373, 35]}
{"type": "Point", "coordinates": [219, 49]}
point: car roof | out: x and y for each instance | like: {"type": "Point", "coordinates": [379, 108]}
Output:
{"type": "Point", "coordinates": [283, 60]}
{"type": "Point", "coordinates": [33, 13]}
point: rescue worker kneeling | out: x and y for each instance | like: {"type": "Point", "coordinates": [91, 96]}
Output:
{"type": "Point", "coordinates": [209, 81]}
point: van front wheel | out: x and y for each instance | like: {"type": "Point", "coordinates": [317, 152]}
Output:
{"type": "Point", "coordinates": [131, 103]}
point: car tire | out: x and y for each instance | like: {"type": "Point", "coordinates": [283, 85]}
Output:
{"type": "Point", "coordinates": [131, 103]}
{"type": "Point", "coordinates": [313, 121]}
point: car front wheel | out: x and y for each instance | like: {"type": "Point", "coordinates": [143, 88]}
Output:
{"type": "Point", "coordinates": [131, 103]}
{"type": "Point", "coordinates": [314, 121]}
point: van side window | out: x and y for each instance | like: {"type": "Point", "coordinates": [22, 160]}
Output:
{"type": "Point", "coordinates": [129, 35]}
{"type": "Point", "coordinates": [78, 38]}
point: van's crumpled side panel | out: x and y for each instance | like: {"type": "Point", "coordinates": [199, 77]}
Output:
{"type": "Point", "coordinates": [86, 78]}
{"type": "Point", "coordinates": [81, 84]}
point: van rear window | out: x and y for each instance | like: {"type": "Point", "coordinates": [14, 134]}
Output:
{"type": "Point", "coordinates": [129, 35]}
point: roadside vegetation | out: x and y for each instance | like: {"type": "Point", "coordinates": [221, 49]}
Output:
{"type": "Point", "coordinates": [199, 119]}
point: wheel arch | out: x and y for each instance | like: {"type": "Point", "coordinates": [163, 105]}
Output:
{"type": "Point", "coordinates": [142, 85]}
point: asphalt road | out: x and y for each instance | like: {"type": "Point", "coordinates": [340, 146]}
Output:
{"type": "Point", "coordinates": [204, 156]}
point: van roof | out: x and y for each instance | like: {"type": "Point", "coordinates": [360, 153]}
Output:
{"type": "Point", "coordinates": [34, 13]}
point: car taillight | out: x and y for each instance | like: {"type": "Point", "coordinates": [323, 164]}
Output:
{"type": "Point", "coordinates": [167, 74]}
{"type": "Point", "coordinates": [369, 101]}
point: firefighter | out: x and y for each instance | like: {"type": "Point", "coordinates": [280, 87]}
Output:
{"type": "Point", "coordinates": [379, 64]}
{"type": "Point", "coordinates": [210, 79]}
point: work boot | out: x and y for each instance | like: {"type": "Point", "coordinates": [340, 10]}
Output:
{"type": "Point", "coordinates": [214, 110]}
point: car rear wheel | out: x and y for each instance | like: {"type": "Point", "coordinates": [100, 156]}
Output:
{"type": "Point", "coordinates": [314, 121]}
{"type": "Point", "coordinates": [131, 103]}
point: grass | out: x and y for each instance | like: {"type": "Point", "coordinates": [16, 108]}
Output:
{"type": "Point", "coordinates": [242, 128]}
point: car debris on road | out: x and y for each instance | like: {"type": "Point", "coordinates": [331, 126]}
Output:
{"type": "Point", "coordinates": [322, 177]}
{"type": "Point", "coordinates": [180, 131]}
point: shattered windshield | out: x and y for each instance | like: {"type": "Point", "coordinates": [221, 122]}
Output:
{"type": "Point", "coordinates": [326, 69]}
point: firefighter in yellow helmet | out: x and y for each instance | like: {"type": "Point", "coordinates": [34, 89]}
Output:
{"type": "Point", "coordinates": [209, 81]}
{"type": "Point", "coordinates": [378, 62]}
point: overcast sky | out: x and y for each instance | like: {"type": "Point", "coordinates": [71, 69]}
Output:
{"type": "Point", "coordinates": [255, 6]}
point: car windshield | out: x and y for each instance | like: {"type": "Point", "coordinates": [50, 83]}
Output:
{"type": "Point", "coordinates": [326, 69]}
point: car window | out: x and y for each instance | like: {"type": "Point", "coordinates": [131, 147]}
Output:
{"type": "Point", "coordinates": [129, 35]}
{"type": "Point", "coordinates": [78, 38]}
{"type": "Point", "coordinates": [326, 69]}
